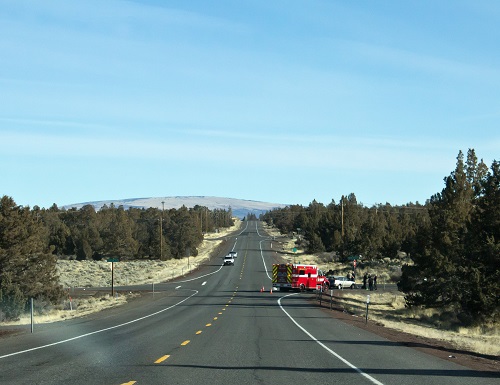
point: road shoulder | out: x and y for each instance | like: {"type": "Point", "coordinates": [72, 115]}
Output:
{"type": "Point", "coordinates": [431, 346]}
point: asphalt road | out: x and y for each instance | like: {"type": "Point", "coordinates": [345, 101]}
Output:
{"type": "Point", "coordinates": [215, 327]}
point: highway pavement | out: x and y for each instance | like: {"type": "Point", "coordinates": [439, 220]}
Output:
{"type": "Point", "coordinates": [218, 326]}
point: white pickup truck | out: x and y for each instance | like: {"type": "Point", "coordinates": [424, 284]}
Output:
{"type": "Point", "coordinates": [228, 260]}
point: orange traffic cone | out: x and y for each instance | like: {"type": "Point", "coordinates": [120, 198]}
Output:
{"type": "Point", "coordinates": [271, 290]}
{"type": "Point", "coordinates": [262, 290]}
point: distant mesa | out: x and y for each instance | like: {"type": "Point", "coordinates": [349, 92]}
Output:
{"type": "Point", "coordinates": [239, 207]}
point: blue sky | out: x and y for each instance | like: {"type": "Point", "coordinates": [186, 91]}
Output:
{"type": "Point", "coordinates": [275, 101]}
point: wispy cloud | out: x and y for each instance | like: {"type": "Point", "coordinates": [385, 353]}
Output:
{"type": "Point", "coordinates": [407, 60]}
{"type": "Point", "coordinates": [297, 151]}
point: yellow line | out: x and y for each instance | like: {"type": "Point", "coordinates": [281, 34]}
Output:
{"type": "Point", "coordinates": [185, 343]}
{"type": "Point", "coordinates": [220, 313]}
{"type": "Point", "coordinates": [208, 325]}
{"type": "Point", "coordinates": [129, 383]}
{"type": "Point", "coordinates": [159, 360]}
{"type": "Point", "coordinates": [198, 332]}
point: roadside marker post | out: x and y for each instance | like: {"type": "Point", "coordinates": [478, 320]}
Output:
{"type": "Point", "coordinates": [31, 314]}
{"type": "Point", "coordinates": [112, 260]}
{"type": "Point", "coordinates": [367, 303]}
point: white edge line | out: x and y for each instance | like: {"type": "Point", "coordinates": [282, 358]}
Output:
{"type": "Point", "coordinates": [263, 261]}
{"type": "Point", "coordinates": [205, 275]}
{"type": "Point", "coordinates": [261, 252]}
{"type": "Point", "coordinates": [126, 323]}
{"type": "Point", "coordinates": [98, 331]}
{"type": "Point", "coordinates": [194, 279]}
{"type": "Point", "coordinates": [373, 380]}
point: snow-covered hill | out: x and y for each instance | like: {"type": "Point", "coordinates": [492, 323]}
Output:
{"type": "Point", "coordinates": [239, 207]}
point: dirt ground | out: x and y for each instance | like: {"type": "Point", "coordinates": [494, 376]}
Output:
{"type": "Point", "coordinates": [441, 349]}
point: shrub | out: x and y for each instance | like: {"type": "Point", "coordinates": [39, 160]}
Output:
{"type": "Point", "coordinates": [12, 302]}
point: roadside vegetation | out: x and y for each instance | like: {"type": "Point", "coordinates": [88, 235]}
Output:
{"type": "Point", "coordinates": [448, 249]}
{"type": "Point", "coordinates": [444, 255]}
{"type": "Point", "coordinates": [82, 276]}
{"type": "Point", "coordinates": [33, 241]}
{"type": "Point", "coordinates": [388, 307]}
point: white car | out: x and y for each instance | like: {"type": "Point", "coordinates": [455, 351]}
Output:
{"type": "Point", "coordinates": [234, 254]}
{"type": "Point", "coordinates": [228, 260]}
{"type": "Point", "coordinates": [341, 282]}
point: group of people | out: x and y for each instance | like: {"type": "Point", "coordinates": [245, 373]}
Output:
{"type": "Point", "coordinates": [369, 282]}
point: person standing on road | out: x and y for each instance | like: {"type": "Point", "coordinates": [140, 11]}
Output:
{"type": "Point", "coordinates": [365, 278]}
{"type": "Point", "coordinates": [375, 282]}
{"type": "Point", "coordinates": [370, 282]}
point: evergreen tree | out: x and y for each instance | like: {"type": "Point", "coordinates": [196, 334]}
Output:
{"type": "Point", "coordinates": [27, 269]}
{"type": "Point", "coordinates": [311, 227]}
{"type": "Point", "coordinates": [373, 230]}
{"type": "Point", "coordinates": [84, 240]}
{"type": "Point", "coordinates": [184, 236]}
{"type": "Point", "coordinates": [116, 234]}
{"type": "Point", "coordinates": [58, 231]}
{"type": "Point", "coordinates": [482, 244]}
{"type": "Point", "coordinates": [353, 222]}
{"type": "Point", "coordinates": [449, 269]}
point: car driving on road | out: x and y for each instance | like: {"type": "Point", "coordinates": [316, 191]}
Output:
{"type": "Point", "coordinates": [228, 260]}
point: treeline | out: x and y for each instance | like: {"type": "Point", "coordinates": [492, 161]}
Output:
{"type": "Point", "coordinates": [31, 241]}
{"type": "Point", "coordinates": [452, 240]}
{"type": "Point", "coordinates": [350, 229]}
{"type": "Point", "coordinates": [134, 233]}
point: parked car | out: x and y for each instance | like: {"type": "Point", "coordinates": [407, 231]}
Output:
{"type": "Point", "coordinates": [340, 282]}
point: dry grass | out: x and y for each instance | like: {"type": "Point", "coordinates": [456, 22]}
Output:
{"type": "Point", "coordinates": [389, 310]}
{"type": "Point", "coordinates": [385, 308]}
{"type": "Point", "coordinates": [73, 308]}
{"type": "Point", "coordinates": [83, 274]}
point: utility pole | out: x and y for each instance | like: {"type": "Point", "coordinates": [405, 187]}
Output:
{"type": "Point", "coordinates": [112, 279]}
{"type": "Point", "coordinates": [342, 218]}
{"type": "Point", "coordinates": [161, 230]}
{"type": "Point", "coordinates": [342, 235]}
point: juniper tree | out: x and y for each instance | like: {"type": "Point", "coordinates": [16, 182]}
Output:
{"type": "Point", "coordinates": [27, 268]}
{"type": "Point", "coordinates": [449, 269]}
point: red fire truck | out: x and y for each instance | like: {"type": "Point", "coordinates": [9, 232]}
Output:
{"type": "Point", "coordinates": [291, 276]}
